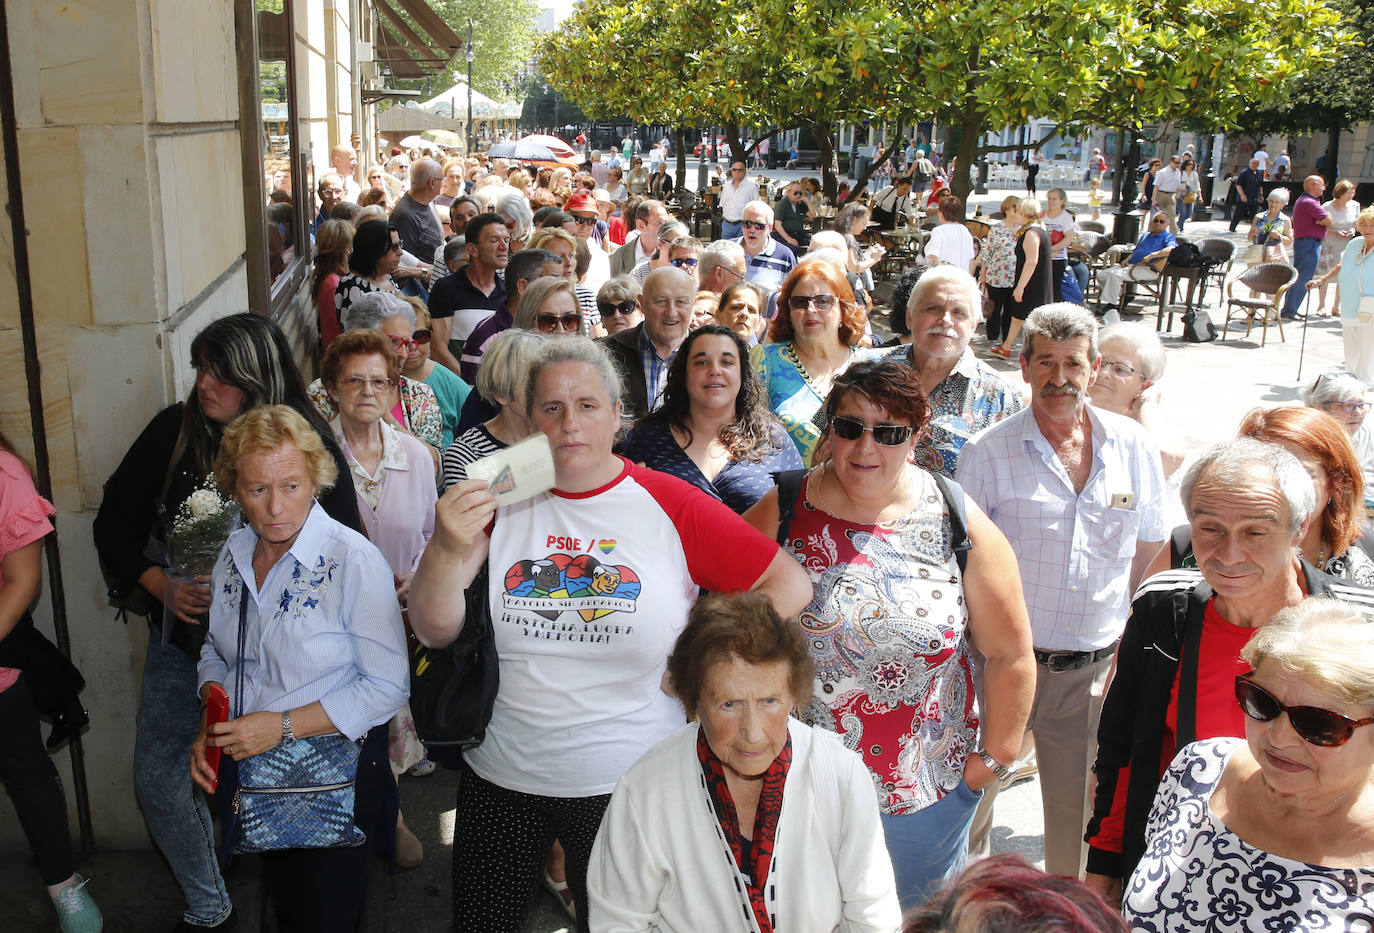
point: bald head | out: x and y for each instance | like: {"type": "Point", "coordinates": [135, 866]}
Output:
{"type": "Point", "coordinates": [344, 160]}
{"type": "Point", "coordinates": [667, 306]}
{"type": "Point", "coordinates": [426, 180]}
{"type": "Point", "coordinates": [1314, 185]}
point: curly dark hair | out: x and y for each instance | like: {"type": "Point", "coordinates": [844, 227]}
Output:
{"type": "Point", "coordinates": [889, 384]}
{"type": "Point", "coordinates": [755, 431]}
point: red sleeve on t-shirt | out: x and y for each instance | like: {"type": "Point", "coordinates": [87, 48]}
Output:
{"type": "Point", "coordinates": [724, 553]}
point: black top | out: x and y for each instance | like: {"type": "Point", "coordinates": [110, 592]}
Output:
{"type": "Point", "coordinates": [418, 227]}
{"type": "Point", "coordinates": [1040, 289]}
{"type": "Point", "coordinates": [455, 292]}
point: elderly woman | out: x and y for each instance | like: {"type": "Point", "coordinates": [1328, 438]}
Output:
{"type": "Point", "coordinates": [997, 269]}
{"type": "Point", "coordinates": [1355, 274]}
{"type": "Point", "coordinates": [519, 219]}
{"type": "Point", "coordinates": [1344, 397]}
{"type": "Point", "coordinates": [1004, 892]}
{"type": "Point", "coordinates": [450, 391]}
{"type": "Point", "coordinates": [812, 341]}
{"type": "Point", "coordinates": [414, 407]}
{"type": "Point", "coordinates": [852, 222]}
{"type": "Point", "coordinates": [905, 570]}
{"type": "Point", "coordinates": [1249, 504]}
{"type": "Point", "coordinates": [1271, 231]}
{"type": "Point", "coordinates": [1273, 832]}
{"type": "Point", "coordinates": [1132, 364]}
{"type": "Point", "coordinates": [741, 309]}
{"type": "Point", "coordinates": [306, 638]}
{"type": "Point", "coordinates": [714, 429]}
{"type": "Point", "coordinates": [376, 253]}
{"type": "Point", "coordinates": [950, 242]}
{"type": "Point", "coordinates": [549, 305]}
{"type": "Point", "coordinates": [582, 700]}
{"type": "Point", "coordinates": [501, 381]}
{"type": "Point", "coordinates": [1344, 211]}
{"type": "Point", "coordinates": [333, 248]}
{"type": "Point", "coordinates": [1034, 278]}
{"type": "Point", "coordinates": [618, 303]}
{"type": "Point", "coordinates": [241, 361]}
{"type": "Point", "coordinates": [706, 808]}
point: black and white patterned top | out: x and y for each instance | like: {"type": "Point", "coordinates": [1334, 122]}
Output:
{"type": "Point", "coordinates": [1198, 875]}
{"type": "Point", "coordinates": [469, 447]}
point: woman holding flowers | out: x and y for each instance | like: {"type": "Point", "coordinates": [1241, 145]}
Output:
{"type": "Point", "coordinates": [241, 361]}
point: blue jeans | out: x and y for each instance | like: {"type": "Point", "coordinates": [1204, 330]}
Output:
{"type": "Point", "coordinates": [730, 229]}
{"type": "Point", "coordinates": [1306, 251]}
{"type": "Point", "coordinates": [176, 813]}
{"type": "Point", "coordinates": [1185, 213]}
{"type": "Point", "coordinates": [929, 847]}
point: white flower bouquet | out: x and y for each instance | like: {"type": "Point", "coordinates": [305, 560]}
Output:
{"type": "Point", "coordinates": [199, 530]}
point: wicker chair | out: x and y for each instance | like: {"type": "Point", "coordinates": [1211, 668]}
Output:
{"type": "Point", "coordinates": [1268, 283]}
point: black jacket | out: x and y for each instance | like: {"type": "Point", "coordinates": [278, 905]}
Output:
{"type": "Point", "coordinates": [1165, 625]}
{"type": "Point", "coordinates": [624, 350]}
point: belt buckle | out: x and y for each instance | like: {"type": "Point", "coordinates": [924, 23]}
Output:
{"type": "Point", "coordinates": [1060, 661]}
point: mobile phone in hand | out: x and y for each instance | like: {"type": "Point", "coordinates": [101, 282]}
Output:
{"type": "Point", "coordinates": [216, 710]}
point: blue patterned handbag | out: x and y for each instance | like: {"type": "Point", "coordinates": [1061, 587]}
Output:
{"type": "Point", "coordinates": [297, 796]}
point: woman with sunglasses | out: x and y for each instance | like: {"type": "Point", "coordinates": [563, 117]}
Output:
{"type": "Point", "coordinates": [1250, 504]}
{"type": "Point", "coordinates": [449, 388]}
{"type": "Point", "coordinates": [549, 306]}
{"type": "Point", "coordinates": [812, 340]}
{"type": "Point", "coordinates": [618, 302]}
{"type": "Point", "coordinates": [895, 601]}
{"type": "Point", "coordinates": [714, 429]}
{"type": "Point", "coordinates": [1275, 831]}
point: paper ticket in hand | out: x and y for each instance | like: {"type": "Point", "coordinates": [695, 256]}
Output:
{"type": "Point", "coordinates": [518, 472]}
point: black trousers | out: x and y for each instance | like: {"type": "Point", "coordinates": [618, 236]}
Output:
{"type": "Point", "coordinates": [31, 780]}
{"type": "Point", "coordinates": [999, 315]}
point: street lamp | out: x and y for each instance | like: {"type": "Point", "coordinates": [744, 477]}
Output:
{"type": "Point", "coordinates": [470, 56]}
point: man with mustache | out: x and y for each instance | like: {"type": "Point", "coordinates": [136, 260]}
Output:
{"type": "Point", "coordinates": [1079, 492]}
{"type": "Point", "coordinates": [966, 395]}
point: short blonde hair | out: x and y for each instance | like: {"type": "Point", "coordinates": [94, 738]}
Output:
{"type": "Point", "coordinates": [505, 362]}
{"type": "Point", "coordinates": [1325, 642]}
{"type": "Point", "coordinates": [538, 292]}
{"type": "Point", "coordinates": [1029, 208]}
{"type": "Point", "coordinates": [543, 235]}
{"type": "Point", "coordinates": [262, 430]}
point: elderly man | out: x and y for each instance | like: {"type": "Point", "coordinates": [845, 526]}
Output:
{"type": "Point", "coordinates": [344, 160]}
{"type": "Point", "coordinates": [1249, 504]}
{"type": "Point", "coordinates": [1079, 493]}
{"type": "Point", "coordinates": [966, 395]}
{"type": "Point", "coordinates": [1166, 192]}
{"type": "Point", "coordinates": [412, 216]}
{"type": "Point", "coordinates": [582, 206]}
{"type": "Point", "coordinates": [1248, 188]}
{"type": "Point", "coordinates": [738, 191]}
{"type": "Point", "coordinates": [643, 352]}
{"type": "Point", "coordinates": [642, 242]}
{"type": "Point", "coordinates": [721, 264]}
{"type": "Point", "coordinates": [1154, 246]}
{"type": "Point", "coordinates": [1309, 229]}
{"type": "Point", "coordinates": [331, 192]}
{"type": "Point", "coordinates": [789, 218]}
{"type": "Point", "coordinates": [769, 261]}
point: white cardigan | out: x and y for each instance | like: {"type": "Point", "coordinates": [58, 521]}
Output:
{"type": "Point", "coordinates": [661, 862]}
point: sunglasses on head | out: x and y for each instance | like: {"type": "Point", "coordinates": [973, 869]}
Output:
{"type": "Point", "coordinates": [552, 323]}
{"type": "Point", "coordinates": [625, 307]}
{"type": "Point", "coordinates": [1313, 724]}
{"type": "Point", "coordinates": [754, 225]}
{"type": "Point", "coordinates": [885, 435]}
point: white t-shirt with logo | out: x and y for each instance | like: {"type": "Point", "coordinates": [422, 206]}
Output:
{"type": "Point", "coordinates": [588, 594]}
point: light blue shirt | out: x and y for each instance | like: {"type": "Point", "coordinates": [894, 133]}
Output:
{"type": "Point", "coordinates": [1074, 549]}
{"type": "Point", "coordinates": [325, 625]}
{"type": "Point", "coordinates": [1356, 278]}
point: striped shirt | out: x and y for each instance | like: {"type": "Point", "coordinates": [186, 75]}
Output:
{"type": "Point", "coordinates": [472, 445]}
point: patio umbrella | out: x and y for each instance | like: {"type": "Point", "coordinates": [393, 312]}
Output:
{"type": "Point", "coordinates": [412, 142]}
{"type": "Point", "coordinates": [536, 148]}
{"type": "Point", "coordinates": [446, 138]}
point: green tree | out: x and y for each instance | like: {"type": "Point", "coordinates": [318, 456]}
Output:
{"type": "Point", "coordinates": [503, 39]}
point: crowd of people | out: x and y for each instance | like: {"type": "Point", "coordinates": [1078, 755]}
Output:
{"type": "Point", "coordinates": [799, 602]}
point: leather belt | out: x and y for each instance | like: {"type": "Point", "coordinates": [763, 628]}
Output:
{"type": "Point", "coordinates": [1060, 661]}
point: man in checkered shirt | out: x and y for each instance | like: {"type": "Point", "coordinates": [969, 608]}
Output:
{"type": "Point", "coordinates": [1079, 492]}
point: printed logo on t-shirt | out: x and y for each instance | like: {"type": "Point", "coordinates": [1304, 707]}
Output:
{"type": "Point", "coordinates": [561, 582]}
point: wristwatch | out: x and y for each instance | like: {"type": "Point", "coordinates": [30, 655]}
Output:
{"type": "Point", "coordinates": [999, 770]}
{"type": "Point", "coordinates": [289, 738]}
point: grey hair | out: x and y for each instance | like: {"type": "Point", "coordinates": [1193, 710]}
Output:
{"type": "Point", "coordinates": [1143, 340]}
{"type": "Point", "coordinates": [1230, 462]}
{"type": "Point", "coordinates": [1278, 194]}
{"type": "Point", "coordinates": [575, 349]}
{"type": "Point", "coordinates": [513, 206]}
{"type": "Point", "coordinates": [717, 254]}
{"type": "Point", "coordinates": [369, 311]}
{"type": "Point", "coordinates": [670, 230]}
{"type": "Point", "coordinates": [1060, 320]}
{"type": "Point", "coordinates": [423, 171]}
{"type": "Point", "coordinates": [1334, 386]}
{"type": "Point", "coordinates": [624, 287]}
{"type": "Point", "coordinates": [954, 277]}
{"type": "Point", "coordinates": [1323, 641]}
{"type": "Point", "coordinates": [505, 361]}
{"type": "Point", "coordinates": [760, 205]}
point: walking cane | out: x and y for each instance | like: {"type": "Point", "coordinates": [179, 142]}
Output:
{"type": "Point", "coordinates": [1306, 313]}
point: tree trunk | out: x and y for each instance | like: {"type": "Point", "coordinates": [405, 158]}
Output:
{"type": "Point", "coordinates": [735, 141]}
{"type": "Point", "coordinates": [966, 151]}
{"type": "Point", "coordinates": [1333, 148]}
{"type": "Point", "coordinates": [829, 184]}
{"type": "Point", "coordinates": [680, 146]}
{"type": "Point", "coordinates": [1132, 159]}
{"type": "Point", "coordinates": [1119, 176]}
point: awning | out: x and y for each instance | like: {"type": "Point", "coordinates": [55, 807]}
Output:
{"type": "Point", "coordinates": [410, 53]}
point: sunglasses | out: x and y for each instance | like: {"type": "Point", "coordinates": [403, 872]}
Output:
{"type": "Point", "coordinates": [416, 339]}
{"type": "Point", "coordinates": [802, 302]}
{"type": "Point", "coordinates": [585, 221]}
{"type": "Point", "coordinates": [625, 307]}
{"type": "Point", "coordinates": [754, 225]}
{"type": "Point", "coordinates": [394, 246]}
{"type": "Point", "coordinates": [1315, 725]}
{"type": "Point", "coordinates": [684, 263]}
{"type": "Point", "coordinates": [552, 323]}
{"type": "Point", "coordinates": [886, 435]}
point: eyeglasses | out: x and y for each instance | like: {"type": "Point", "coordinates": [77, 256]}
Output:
{"type": "Point", "coordinates": [356, 383]}
{"type": "Point", "coordinates": [625, 307]}
{"type": "Point", "coordinates": [1315, 725]}
{"type": "Point", "coordinates": [394, 246]}
{"type": "Point", "coordinates": [416, 339]}
{"type": "Point", "coordinates": [886, 435]}
{"type": "Point", "coordinates": [738, 275]}
{"type": "Point", "coordinates": [1350, 406]}
{"type": "Point", "coordinates": [802, 302]}
{"type": "Point", "coordinates": [552, 323]}
{"type": "Point", "coordinates": [754, 225]}
{"type": "Point", "coordinates": [585, 221]}
{"type": "Point", "coordinates": [684, 263]}
{"type": "Point", "coordinates": [1121, 369]}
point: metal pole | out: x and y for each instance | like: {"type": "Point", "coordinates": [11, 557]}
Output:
{"type": "Point", "coordinates": [470, 56]}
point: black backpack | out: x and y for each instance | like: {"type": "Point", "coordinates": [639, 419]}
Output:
{"type": "Point", "coordinates": [1186, 255]}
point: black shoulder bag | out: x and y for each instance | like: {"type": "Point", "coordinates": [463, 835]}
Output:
{"type": "Point", "coordinates": [453, 689]}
